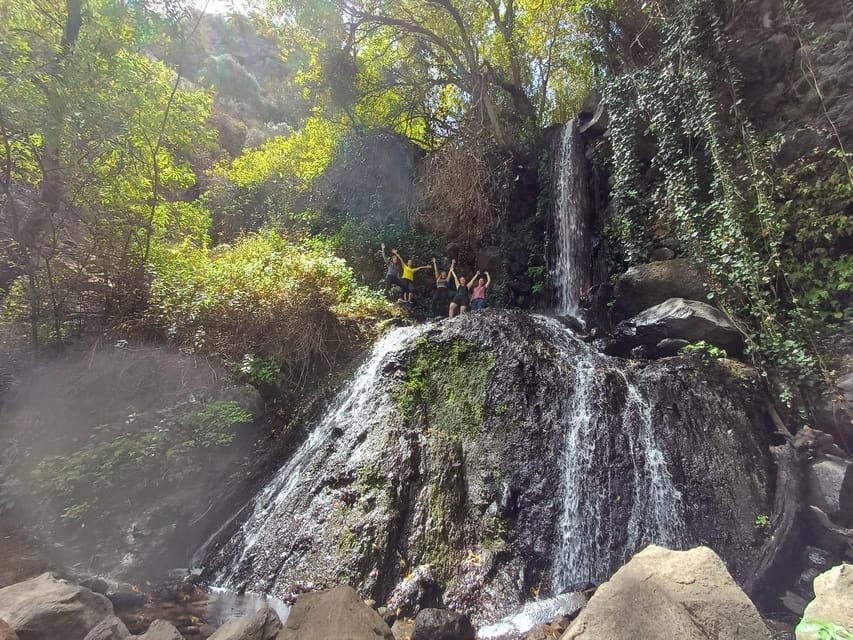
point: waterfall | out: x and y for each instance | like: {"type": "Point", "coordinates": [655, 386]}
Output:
{"type": "Point", "coordinates": [570, 255]}
{"type": "Point", "coordinates": [279, 500]}
{"type": "Point", "coordinates": [608, 419]}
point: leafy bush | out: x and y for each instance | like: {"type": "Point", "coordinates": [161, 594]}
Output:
{"type": "Point", "coordinates": [279, 299]}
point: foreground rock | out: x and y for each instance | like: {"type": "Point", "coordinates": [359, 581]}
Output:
{"type": "Point", "coordinates": [110, 628]}
{"type": "Point", "coordinates": [832, 607]}
{"type": "Point", "coordinates": [161, 630]}
{"type": "Point", "coordinates": [6, 632]}
{"type": "Point", "coordinates": [262, 625]}
{"type": "Point", "coordinates": [441, 624]}
{"type": "Point", "coordinates": [662, 594]}
{"type": "Point", "coordinates": [339, 613]}
{"type": "Point", "coordinates": [46, 608]}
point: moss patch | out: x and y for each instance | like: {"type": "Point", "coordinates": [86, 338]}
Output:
{"type": "Point", "coordinates": [446, 384]}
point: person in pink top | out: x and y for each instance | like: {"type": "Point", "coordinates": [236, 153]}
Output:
{"type": "Point", "coordinates": [478, 297]}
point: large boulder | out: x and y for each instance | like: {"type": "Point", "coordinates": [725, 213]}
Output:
{"type": "Point", "coordinates": [662, 594]}
{"type": "Point", "coordinates": [45, 608]}
{"type": "Point", "coordinates": [676, 319]}
{"type": "Point", "coordinates": [110, 628]}
{"type": "Point", "coordinates": [830, 488]}
{"type": "Point", "coordinates": [339, 613]}
{"type": "Point", "coordinates": [161, 630]}
{"type": "Point", "coordinates": [261, 625]}
{"type": "Point", "coordinates": [832, 607]}
{"type": "Point", "coordinates": [649, 284]}
{"type": "Point", "coordinates": [6, 632]}
{"type": "Point", "coordinates": [442, 624]}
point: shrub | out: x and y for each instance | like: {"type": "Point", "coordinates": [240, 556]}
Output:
{"type": "Point", "coordinates": [272, 297]}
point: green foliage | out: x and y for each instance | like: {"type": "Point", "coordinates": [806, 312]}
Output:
{"type": "Point", "coordinates": [688, 164]}
{"type": "Point", "coordinates": [446, 385]}
{"type": "Point", "coordinates": [259, 371]}
{"type": "Point", "coordinates": [823, 630]}
{"type": "Point", "coordinates": [705, 348]}
{"type": "Point", "coordinates": [148, 450]}
{"type": "Point", "coordinates": [762, 521]}
{"type": "Point", "coordinates": [268, 295]}
{"type": "Point", "coordinates": [537, 276]}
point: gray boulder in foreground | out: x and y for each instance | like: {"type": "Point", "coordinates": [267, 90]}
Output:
{"type": "Point", "coordinates": [662, 594]}
{"type": "Point", "coordinates": [46, 608]}
{"type": "Point", "coordinates": [339, 613]}
{"type": "Point", "coordinates": [261, 625]}
{"type": "Point", "coordinates": [833, 603]}
{"type": "Point", "coordinates": [110, 628]}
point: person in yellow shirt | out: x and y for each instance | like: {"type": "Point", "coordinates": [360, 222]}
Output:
{"type": "Point", "coordinates": [408, 278]}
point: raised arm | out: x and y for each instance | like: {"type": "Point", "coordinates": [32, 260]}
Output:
{"type": "Point", "coordinates": [435, 268]}
{"type": "Point", "coordinates": [384, 257]}
{"type": "Point", "coordinates": [473, 280]}
{"type": "Point", "coordinates": [394, 251]}
{"type": "Point", "coordinates": [488, 279]}
{"type": "Point", "coordinates": [452, 272]}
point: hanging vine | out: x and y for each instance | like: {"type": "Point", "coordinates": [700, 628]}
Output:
{"type": "Point", "coordinates": [688, 163]}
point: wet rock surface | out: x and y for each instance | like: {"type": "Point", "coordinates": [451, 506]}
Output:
{"type": "Point", "coordinates": [449, 449]}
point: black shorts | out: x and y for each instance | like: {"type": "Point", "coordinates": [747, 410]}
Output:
{"type": "Point", "coordinates": [407, 285]}
{"type": "Point", "coordinates": [461, 300]}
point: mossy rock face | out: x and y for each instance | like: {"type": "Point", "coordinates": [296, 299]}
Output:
{"type": "Point", "coordinates": [452, 453]}
{"type": "Point", "coordinates": [446, 386]}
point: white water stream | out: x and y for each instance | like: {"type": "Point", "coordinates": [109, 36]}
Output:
{"type": "Point", "coordinates": [571, 267]}
{"type": "Point", "coordinates": [350, 408]}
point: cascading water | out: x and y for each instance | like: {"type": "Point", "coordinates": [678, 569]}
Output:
{"type": "Point", "coordinates": [532, 462]}
{"type": "Point", "coordinates": [349, 410]}
{"type": "Point", "coordinates": [570, 256]}
{"type": "Point", "coordinates": [591, 542]}
{"type": "Point", "coordinates": [460, 482]}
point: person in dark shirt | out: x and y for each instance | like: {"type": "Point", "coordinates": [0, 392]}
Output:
{"type": "Point", "coordinates": [462, 299]}
{"type": "Point", "coordinates": [439, 296]}
{"type": "Point", "coordinates": [392, 276]}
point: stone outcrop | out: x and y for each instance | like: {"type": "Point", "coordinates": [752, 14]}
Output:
{"type": "Point", "coordinates": [830, 488]}
{"type": "Point", "coordinates": [161, 630]}
{"type": "Point", "coordinates": [46, 608]}
{"type": "Point", "coordinates": [832, 606]}
{"type": "Point", "coordinates": [6, 632]}
{"type": "Point", "coordinates": [261, 625]}
{"type": "Point", "coordinates": [407, 470]}
{"type": "Point", "coordinates": [339, 613]}
{"type": "Point", "coordinates": [662, 594]}
{"type": "Point", "coordinates": [649, 284]}
{"type": "Point", "coordinates": [110, 628]}
{"type": "Point", "coordinates": [415, 591]}
{"type": "Point", "coordinates": [675, 319]}
{"type": "Point", "coordinates": [441, 624]}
